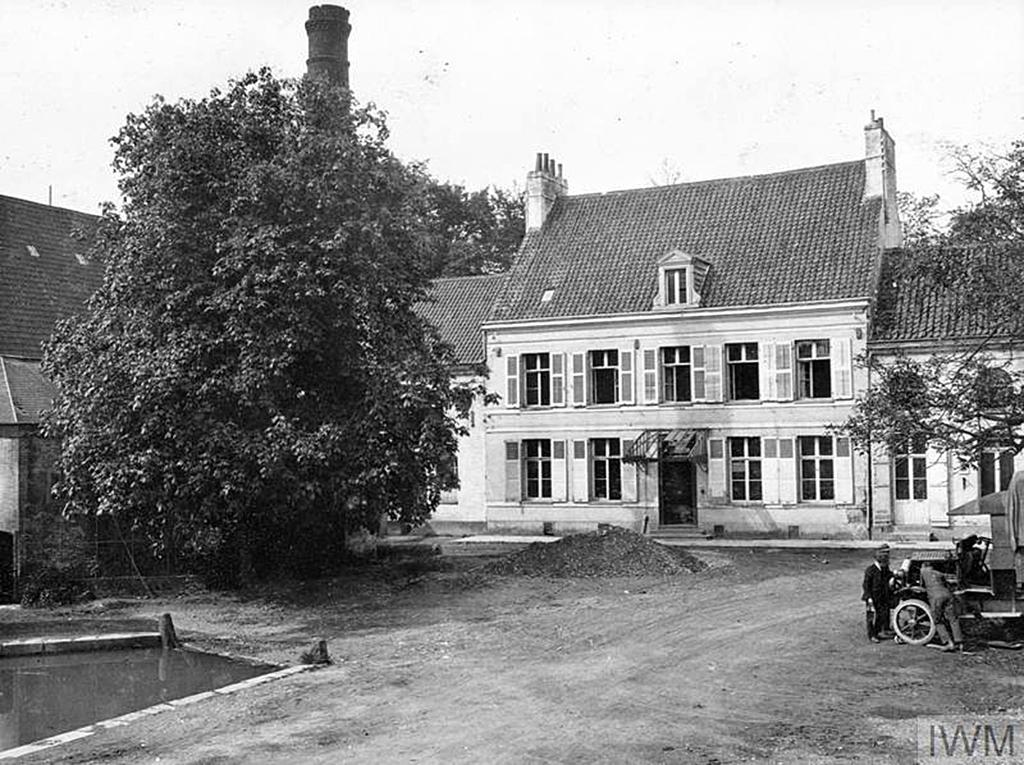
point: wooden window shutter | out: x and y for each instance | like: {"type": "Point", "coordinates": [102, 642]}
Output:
{"type": "Point", "coordinates": [629, 475]}
{"type": "Point", "coordinates": [626, 376]}
{"type": "Point", "coordinates": [770, 470]}
{"type": "Point", "coordinates": [559, 471]}
{"type": "Point", "coordinates": [580, 472]}
{"type": "Point", "coordinates": [842, 367]}
{"type": "Point", "coordinates": [579, 379]}
{"type": "Point", "coordinates": [512, 382]}
{"type": "Point", "coordinates": [716, 468]}
{"type": "Point", "coordinates": [713, 372]}
{"type": "Point", "coordinates": [843, 467]}
{"type": "Point", "coordinates": [766, 369]}
{"type": "Point", "coordinates": [699, 374]}
{"type": "Point", "coordinates": [787, 472]}
{"type": "Point", "coordinates": [783, 388]}
{"type": "Point", "coordinates": [650, 360]}
{"type": "Point", "coordinates": [558, 379]}
{"type": "Point", "coordinates": [513, 474]}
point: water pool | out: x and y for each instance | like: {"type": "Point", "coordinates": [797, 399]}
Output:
{"type": "Point", "coordinates": [41, 696]}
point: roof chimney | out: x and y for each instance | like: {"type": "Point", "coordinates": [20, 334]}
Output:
{"type": "Point", "coordinates": [544, 184]}
{"type": "Point", "coordinates": [327, 30]}
{"type": "Point", "coordinates": [880, 178]}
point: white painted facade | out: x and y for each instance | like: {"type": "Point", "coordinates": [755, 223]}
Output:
{"type": "Point", "coordinates": [572, 422]}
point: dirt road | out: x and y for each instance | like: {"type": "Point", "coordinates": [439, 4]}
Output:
{"type": "Point", "coordinates": [761, 659]}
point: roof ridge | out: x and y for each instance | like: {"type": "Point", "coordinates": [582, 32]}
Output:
{"type": "Point", "coordinates": [710, 181]}
{"type": "Point", "coordinates": [19, 200]}
{"type": "Point", "coordinates": [467, 277]}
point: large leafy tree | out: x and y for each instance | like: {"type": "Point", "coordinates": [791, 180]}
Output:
{"type": "Point", "coordinates": [473, 232]}
{"type": "Point", "coordinates": [251, 381]}
{"type": "Point", "coordinates": [964, 394]}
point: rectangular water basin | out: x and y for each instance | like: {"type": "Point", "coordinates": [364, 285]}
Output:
{"type": "Point", "coordinates": [47, 694]}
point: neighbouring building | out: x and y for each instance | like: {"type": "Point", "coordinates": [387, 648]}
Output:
{"type": "Point", "coordinates": [914, 489]}
{"type": "Point", "coordinates": [46, 277]}
{"type": "Point", "coordinates": [672, 357]}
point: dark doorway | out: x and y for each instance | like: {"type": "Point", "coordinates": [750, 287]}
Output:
{"type": "Point", "coordinates": [677, 489]}
{"type": "Point", "coordinates": [6, 567]}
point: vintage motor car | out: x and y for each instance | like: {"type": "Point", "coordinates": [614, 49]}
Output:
{"type": "Point", "coordinates": [979, 571]}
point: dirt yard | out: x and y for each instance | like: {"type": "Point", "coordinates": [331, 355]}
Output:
{"type": "Point", "coordinates": [759, 658]}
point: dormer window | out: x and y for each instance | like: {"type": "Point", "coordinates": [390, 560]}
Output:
{"type": "Point", "coordinates": [676, 280]}
{"type": "Point", "coordinates": [680, 279]}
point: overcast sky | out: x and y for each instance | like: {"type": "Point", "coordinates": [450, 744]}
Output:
{"type": "Point", "coordinates": [615, 91]}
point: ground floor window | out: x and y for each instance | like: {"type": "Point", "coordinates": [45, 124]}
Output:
{"type": "Point", "coordinates": [745, 468]}
{"type": "Point", "coordinates": [996, 470]}
{"type": "Point", "coordinates": [817, 475]}
{"type": "Point", "coordinates": [537, 468]}
{"type": "Point", "coordinates": [606, 468]}
{"type": "Point", "coordinates": [911, 467]}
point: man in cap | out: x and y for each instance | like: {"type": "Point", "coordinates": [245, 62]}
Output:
{"type": "Point", "coordinates": [877, 595]}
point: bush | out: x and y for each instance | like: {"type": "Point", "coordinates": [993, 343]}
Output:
{"type": "Point", "coordinates": [51, 586]}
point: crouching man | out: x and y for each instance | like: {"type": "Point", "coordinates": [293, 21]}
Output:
{"type": "Point", "coordinates": [877, 596]}
{"type": "Point", "coordinates": [943, 608]}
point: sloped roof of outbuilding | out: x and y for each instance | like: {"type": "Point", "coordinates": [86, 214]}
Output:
{"type": "Point", "coordinates": [918, 303]}
{"type": "Point", "coordinates": [789, 237]}
{"type": "Point", "coordinates": [457, 306]}
{"type": "Point", "coordinates": [24, 391]}
{"type": "Point", "coordinates": [44, 275]}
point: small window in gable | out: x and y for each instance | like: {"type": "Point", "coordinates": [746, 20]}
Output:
{"type": "Point", "coordinates": [680, 279]}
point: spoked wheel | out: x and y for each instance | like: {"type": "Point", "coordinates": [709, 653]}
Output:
{"type": "Point", "coordinates": [914, 622]}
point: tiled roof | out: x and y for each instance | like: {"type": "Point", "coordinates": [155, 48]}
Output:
{"type": "Point", "coordinates": [802, 235]}
{"type": "Point", "coordinates": [24, 392]}
{"type": "Point", "coordinates": [41, 278]}
{"type": "Point", "coordinates": [457, 306]}
{"type": "Point", "coordinates": [913, 305]}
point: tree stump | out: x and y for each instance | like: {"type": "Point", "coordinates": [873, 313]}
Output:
{"type": "Point", "coordinates": [168, 637]}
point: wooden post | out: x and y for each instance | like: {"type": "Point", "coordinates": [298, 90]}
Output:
{"type": "Point", "coordinates": [168, 637]}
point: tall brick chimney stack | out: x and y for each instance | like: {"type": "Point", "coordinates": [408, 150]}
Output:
{"type": "Point", "coordinates": [880, 178]}
{"type": "Point", "coordinates": [328, 30]}
{"type": "Point", "coordinates": [544, 184]}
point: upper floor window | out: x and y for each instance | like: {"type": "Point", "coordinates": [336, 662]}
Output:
{"type": "Point", "coordinates": [604, 377]}
{"type": "Point", "coordinates": [743, 372]}
{"type": "Point", "coordinates": [817, 470]}
{"type": "Point", "coordinates": [675, 280]}
{"type": "Point", "coordinates": [996, 468]}
{"type": "Point", "coordinates": [537, 379]}
{"type": "Point", "coordinates": [745, 468]}
{"type": "Point", "coordinates": [606, 468]}
{"type": "Point", "coordinates": [814, 369]}
{"type": "Point", "coordinates": [675, 373]}
{"type": "Point", "coordinates": [910, 470]}
{"type": "Point", "coordinates": [537, 468]}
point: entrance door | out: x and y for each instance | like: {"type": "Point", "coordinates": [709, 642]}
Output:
{"type": "Point", "coordinates": [677, 495]}
{"type": "Point", "coordinates": [6, 567]}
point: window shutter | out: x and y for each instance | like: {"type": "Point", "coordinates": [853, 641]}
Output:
{"type": "Point", "coordinates": [559, 472]}
{"type": "Point", "coordinates": [579, 379]}
{"type": "Point", "coordinates": [716, 468]}
{"type": "Point", "coordinates": [650, 359]}
{"type": "Point", "coordinates": [512, 382]}
{"type": "Point", "coordinates": [766, 368]}
{"type": "Point", "coordinates": [843, 464]}
{"type": "Point", "coordinates": [580, 472]}
{"type": "Point", "coordinates": [938, 477]}
{"type": "Point", "coordinates": [558, 379]}
{"type": "Point", "coordinates": [629, 475]}
{"type": "Point", "coordinates": [881, 488]}
{"type": "Point", "coordinates": [626, 376]}
{"type": "Point", "coordinates": [713, 372]}
{"type": "Point", "coordinates": [513, 488]}
{"type": "Point", "coordinates": [770, 471]}
{"type": "Point", "coordinates": [842, 367]}
{"type": "Point", "coordinates": [787, 472]}
{"type": "Point", "coordinates": [699, 374]}
{"type": "Point", "coordinates": [783, 372]}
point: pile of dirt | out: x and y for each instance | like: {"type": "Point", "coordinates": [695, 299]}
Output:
{"type": "Point", "coordinates": [611, 552]}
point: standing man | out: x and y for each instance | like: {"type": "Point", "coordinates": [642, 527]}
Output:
{"type": "Point", "coordinates": [877, 595]}
{"type": "Point", "coordinates": [944, 609]}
